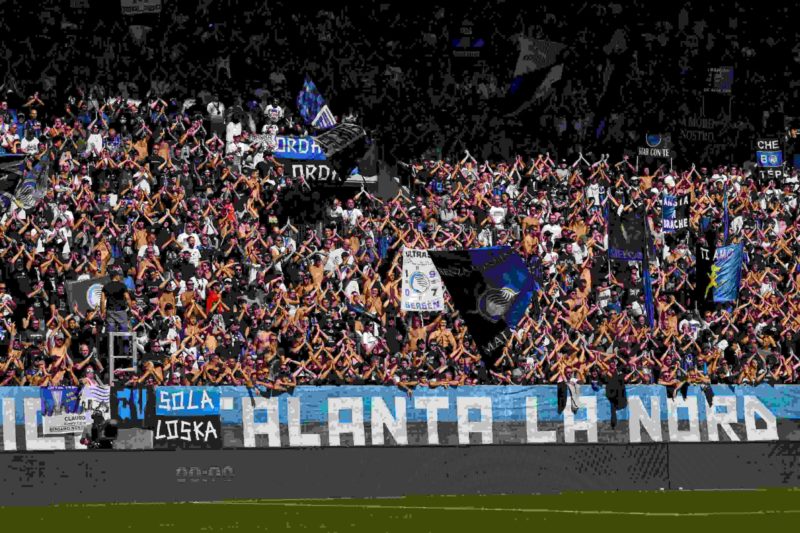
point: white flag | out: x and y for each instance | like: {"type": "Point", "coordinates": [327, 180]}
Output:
{"type": "Point", "coordinates": [422, 286]}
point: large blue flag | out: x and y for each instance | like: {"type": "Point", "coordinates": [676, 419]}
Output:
{"type": "Point", "coordinates": [312, 106]}
{"type": "Point", "coordinates": [491, 288]}
{"type": "Point", "coordinates": [726, 273]}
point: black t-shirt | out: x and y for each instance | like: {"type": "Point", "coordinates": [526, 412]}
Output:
{"type": "Point", "coordinates": [115, 292]}
{"type": "Point", "coordinates": [188, 270]}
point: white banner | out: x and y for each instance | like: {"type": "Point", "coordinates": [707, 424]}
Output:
{"type": "Point", "coordinates": [138, 7]}
{"type": "Point", "coordinates": [66, 423]}
{"type": "Point", "coordinates": [422, 286]}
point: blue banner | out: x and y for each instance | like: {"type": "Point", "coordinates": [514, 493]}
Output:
{"type": "Point", "coordinates": [768, 159]}
{"type": "Point", "coordinates": [187, 401]}
{"type": "Point", "coordinates": [59, 400]}
{"type": "Point", "coordinates": [303, 148]}
{"type": "Point", "coordinates": [320, 416]}
{"type": "Point", "coordinates": [508, 401]}
{"type": "Point", "coordinates": [726, 274]}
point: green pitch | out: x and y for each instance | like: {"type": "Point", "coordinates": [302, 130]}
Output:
{"type": "Point", "coordinates": [756, 511]}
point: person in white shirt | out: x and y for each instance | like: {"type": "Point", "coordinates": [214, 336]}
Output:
{"type": "Point", "coordinates": [232, 131]}
{"type": "Point", "coordinates": [94, 144]}
{"type": "Point", "coordinates": [65, 215]}
{"type": "Point", "coordinates": [352, 214]}
{"type": "Point", "coordinates": [497, 213]}
{"type": "Point", "coordinates": [336, 211]}
{"type": "Point", "coordinates": [188, 238]}
{"type": "Point", "coordinates": [216, 111]}
{"type": "Point", "coordinates": [30, 144]}
{"type": "Point", "coordinates": [553, 227]}
{"type": "Point", "coordinates": [142, 184]}
{"type": "Point", "coordinates": [192, 255]}
{"type": "Point", "coordinates": [273, 112]}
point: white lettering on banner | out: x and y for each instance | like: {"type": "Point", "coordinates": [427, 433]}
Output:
{"type": "Point", "coordinates": [768, 144]}
{"type": "Point", "coordinates": [533, 435]}
{"type": "Point", "coordinates": [312, 171]}
{"type": "Point", "coordinates": [380, 418]}
{"type": "Point", "coordinates": [336, 428]}
{"type": "Point", "coordinates": [432, 406]}
{"type": "Point", "coordinates": [483, 427]}
{"type": "Point", "coordinates": [716, 420]}
{"type": "Point", "coordinates": [654, 152]}
{"type": "Point", "coordinates": [178, 401]}
{"type": "Point", "coordinates": [186, 430]}
{"type": "Point", "coordinates": [271, 428]}
{"type": "Point", "coordinates": [675, 433]}
{"type": "Point", "coordinates": [638, 419]}
{"type": "Point", "coordinates": [33, 442]}
{"type": "Point", "coordinates": [296, 435]}
{"type": "Point", "coordinates": [753, 407]}
{"type": "Point", "coordinates": [589, 425]}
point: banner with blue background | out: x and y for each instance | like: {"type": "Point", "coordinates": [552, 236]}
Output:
{"type": "Point", "coordinates": [376, 415]}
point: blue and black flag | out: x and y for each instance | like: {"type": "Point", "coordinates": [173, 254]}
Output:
{"type": "Point", "coordinates": [705, 249]}
{"type": "Point", "coordinates": [726, 274]}
{"type": "Point", "coordinates": [626, 234]}
{"type": "Point", "coordinates": [312, 106]}
{"type": "Point", "coordinates": [491, 288]}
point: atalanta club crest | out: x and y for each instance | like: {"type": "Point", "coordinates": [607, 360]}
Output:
{"type": "Point", "coordinates": [493, 304]}
{"type": "Point", "coordinates": [93, 294]}
{"type": "Point", "coordinates": [653, 140]}
{"type": "Point", "coordinates": [419, 283]}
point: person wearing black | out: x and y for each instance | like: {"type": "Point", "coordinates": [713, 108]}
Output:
{"type": "Point", "coordinates": [100, 434]}
{"type": "Point", "coordinates": [616, 394]}
{"type": "Point", "coordinates": [114, 304]}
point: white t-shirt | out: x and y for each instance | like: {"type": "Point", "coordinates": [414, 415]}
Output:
{"type": "Point", "coordinates": [94, 143]}
{"type": "Point", "coordinates": [144, 186]}
{"type": "Point", "coordinates": [30, 146]}
{"type": "Point", "coordinates": [593, 193]}
{"type": "Point", "coordinates": [351, 216]}
{"type": "Point", "coordinates": [231, 131]}
{"type": "Point", "coordinates": [498, 215]}
{"type": "Point", "coordinates": [554, 229]}
{"type": "Point", "coordinates": [273, 113]}
{"type": "Point", "coordinates": [216, 110]}
{"type": "Point", "coordinates": [143, 250]}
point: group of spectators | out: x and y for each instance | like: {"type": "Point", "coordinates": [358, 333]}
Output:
{"type": "Point", "coordinates": [396, 65]}
{"type": "Point", "coordinates": [185, 212]}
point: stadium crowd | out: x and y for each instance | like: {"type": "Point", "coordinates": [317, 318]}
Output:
{"type": "Point", "coordinates": [188, 216]}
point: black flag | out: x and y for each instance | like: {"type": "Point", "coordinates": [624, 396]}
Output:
{"type": "Point", "coordinates": [705, 248]}
{"type": "Point", "coordinates": [626, 234]}
{"type": "Point", "coordinates": [491, 288]}
{"type": "Point", "coordinates": [85, 293]}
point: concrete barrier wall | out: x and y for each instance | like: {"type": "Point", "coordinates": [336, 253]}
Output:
{"type": "Point", "coordinates": [41, 478]}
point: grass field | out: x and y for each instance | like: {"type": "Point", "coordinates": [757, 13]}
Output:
{"type": "Point", "coordinates": [679, 511]}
